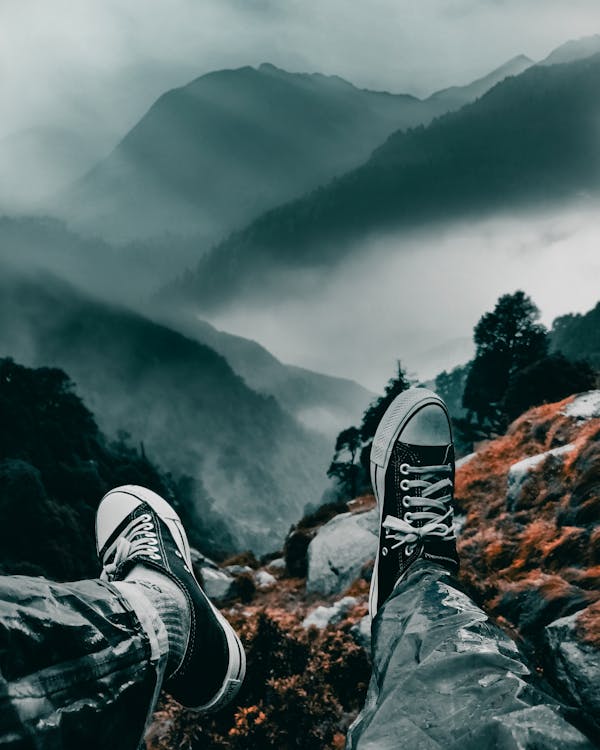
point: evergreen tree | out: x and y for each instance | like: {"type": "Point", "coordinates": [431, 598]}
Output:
{"type": "Point", "coordinates": [507, 340]}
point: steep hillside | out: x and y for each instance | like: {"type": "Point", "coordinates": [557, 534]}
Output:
{"type": "Point", "coordinates": [529, 549]}
{"type": "Point", "coordinates": [575, 49]}
{"type": "Point", "coordinates": [212, 155]}
{"type": "Point", "coordinates": [456, 97]}
{"type": "Point", "coordinates": [321, 402]}
{"type": "Point", "coordinates": [530, 142]}
{"type": "Point", "coordinates": [181, 398]}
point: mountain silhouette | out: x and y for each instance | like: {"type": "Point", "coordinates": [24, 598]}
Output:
{"type": "Point", "coordinates": [575, 49]}
{"type": "Point", "coordinates": [529, 142]}
{"type": "Point", "coordinates": [456, 97]}
{"type": "Point", "coordinates": [212, 155]}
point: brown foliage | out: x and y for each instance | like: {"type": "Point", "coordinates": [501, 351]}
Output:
{"type": "Point", "coordinates": [539, 560]}
{"type": "Point", "coordinates": [299, 689]}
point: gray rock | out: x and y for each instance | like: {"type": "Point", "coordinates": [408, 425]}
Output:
{"type": "Point", "coordinates": [264, 579]}
{"type": "Point", "coordinates": [277, 564]}
{"type": "Point", "coordinates": [238, 570]}
{"type": "Point", "coordinates": [572, 665]}
{"type": "Point", "coordinates": [340, 549]}
{"type": "Point", "coordinates": [199, 560]}
{"type": "Point", "coordinates": [584, 407]}
{"type": "Point", "coordinates": [519, 472]}
{"type": "Point", "coordinates": [217, 584]}
{"type": "Point", "coordinates": [539, 728]}
{"type": "Point", "coordinates": [323, 616]}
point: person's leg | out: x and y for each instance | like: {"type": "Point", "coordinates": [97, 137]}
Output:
{"type": "Point", "coordinates": [81, 664]}
{"type": "Point", "coordinates": [77, 667]}
{"type": "Point", "coordinates": [443, 675]}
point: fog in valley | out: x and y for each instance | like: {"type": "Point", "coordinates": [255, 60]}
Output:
{"type": "Point", "coordinates": [417, 297]}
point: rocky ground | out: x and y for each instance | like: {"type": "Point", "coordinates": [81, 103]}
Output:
{"type": "Point", "coordinates": [528, 506]}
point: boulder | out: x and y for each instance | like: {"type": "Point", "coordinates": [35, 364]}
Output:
{"type": "Point", "coordinates": [339, 551]}
{"type": "Point", "coordinates": [586, 406]}
{"type": "Point", "coordinates": [218, 585]}
{"type": "Point", "coordinates": [323, 616]}
{"type": "Point", "coordinates": [238, 570]}
{"type": "Point", "coordinates": [264, 579]}
{"type": "Point", "coordinates": [216, 582]}
{"type": "Point", "coordinates": [519, 472]}
{"type": "Point", "coordinates": [573, 665]}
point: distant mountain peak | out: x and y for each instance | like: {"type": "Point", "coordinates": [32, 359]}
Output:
{"type": "Point", "coordinates": [575, 49]}
{"type": "Point", "coordinates": [463, 94]}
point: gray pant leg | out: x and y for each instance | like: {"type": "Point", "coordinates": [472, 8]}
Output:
{"type": "Point", "coordinates": [445, 678]}
{"type": "Point", "coordinates": [77, 669]}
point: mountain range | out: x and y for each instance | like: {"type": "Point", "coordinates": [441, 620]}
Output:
{"type": "Point", "coordinates": [194, 414]}
{"type": "Point", "coordinates": [211, 155]}
{"type": "Point", "coordinates": [530, 142]}
{"type": "Point", "coordinates": [325, 403]}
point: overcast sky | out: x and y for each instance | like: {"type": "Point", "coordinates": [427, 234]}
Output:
{"type": "Point", "coordinates": [98, 64]}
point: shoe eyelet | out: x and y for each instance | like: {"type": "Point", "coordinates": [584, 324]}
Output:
{"type": "Point", "coordinates": [178, 553]}
{"type": "Point", "coordinates": [408, 516]}
{"type": "Point", "coordinates": [155, 557]}
{"type": "Point", "coordinates": [404, 469]}
{"type": "Point", "coordinates": [406, 501]}
{"type": "Point", "coordinates": [145, 516]}
{"type": "Point", "coordinates": [408, 550]}
{"type": "Point", "coordinates": [404, 485]}
{"type": "Point", "coordinates": [384, 551]}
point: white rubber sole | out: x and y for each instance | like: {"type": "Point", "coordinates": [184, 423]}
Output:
{"type": "Point", "coordinates": [396, 416]}
{"type": "Point", "coordinates": [236, 670]}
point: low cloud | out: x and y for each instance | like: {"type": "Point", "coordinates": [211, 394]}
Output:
{"type": "Point", "coordinates": [418, 297]}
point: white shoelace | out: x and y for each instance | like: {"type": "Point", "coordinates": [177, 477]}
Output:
{"type": "Point", "coordinates": [401, 530]}
{"type": "Point", "coordinates": [137, 538]}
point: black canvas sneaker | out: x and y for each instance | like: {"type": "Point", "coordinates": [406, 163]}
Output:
{"type": "Point", "coordinates": [136, 526]}
{"type": "Point", "coordinates": [412, 472]}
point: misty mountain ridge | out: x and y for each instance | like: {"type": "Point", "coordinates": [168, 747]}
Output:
{"type": "Point", "coordinates": [212, 155]}
{"type": "Point", "coordinates": [573, 50]}
{"type": "Point", "coordinates": [530, 142]}
{"type": "Point", "coordinates": [456, 97]}
{"type": "Point", "coordinates": [194, 415]}
{"type": "Point", "coordinates": [321, 402]}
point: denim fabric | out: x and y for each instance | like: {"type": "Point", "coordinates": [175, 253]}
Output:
{"type": "Point", "coordinates": [445, 677]}
{"type": "Point", "coordinates": [77, 670]}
